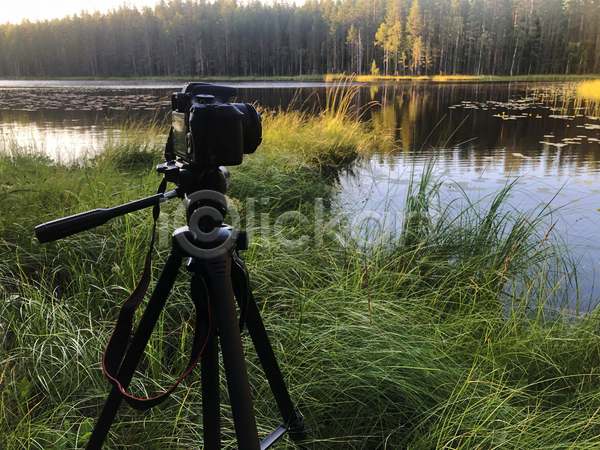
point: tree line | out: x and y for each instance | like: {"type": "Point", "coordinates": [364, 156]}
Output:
{"type": "Point", "coordinates": [394, 37]}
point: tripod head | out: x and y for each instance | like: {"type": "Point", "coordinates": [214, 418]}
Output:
{"type": "Point", "coordinates": [191, 178]}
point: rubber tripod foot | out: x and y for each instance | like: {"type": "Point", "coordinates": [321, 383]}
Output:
{"type": "Point", "coordinates": [297, 429]}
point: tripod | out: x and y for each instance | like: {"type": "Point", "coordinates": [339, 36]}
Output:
{"type": "Point", "coordinates": [219, 279]}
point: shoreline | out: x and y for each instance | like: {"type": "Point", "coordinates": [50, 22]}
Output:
{"type": "Point", "coordinates": [339, 77]}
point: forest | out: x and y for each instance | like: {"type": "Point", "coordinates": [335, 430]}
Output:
{"type": "Point", "coordinates": [386, 37]}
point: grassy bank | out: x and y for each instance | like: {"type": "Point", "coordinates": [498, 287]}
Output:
{"type": "Point", "coordinates": [467, 78]}
{"type": "Point", "coordinates": [448, 335]}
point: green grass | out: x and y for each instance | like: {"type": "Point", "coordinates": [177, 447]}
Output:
{"type": "Point", "coordinates": [451, 335]}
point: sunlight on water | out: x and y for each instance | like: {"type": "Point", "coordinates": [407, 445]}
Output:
{"type": "Point", "coordinates": [63, 144]}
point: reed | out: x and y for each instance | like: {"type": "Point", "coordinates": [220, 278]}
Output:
{"type": "Point", "coordinates": [569, 98]}
{"type": "Point", "coordinates": [588, 97]}
{"type": "Point", "coordinates": [462, 78]}
{"type": "Point", "coordinates": [328, 135]}
{"type": "Point", "coordinates": [589, 90]}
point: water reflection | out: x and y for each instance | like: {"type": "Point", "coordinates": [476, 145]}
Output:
{"type": "Point", "coordinates": [68, 122]}
{"type": "Point", "coordinates": [478, 121]}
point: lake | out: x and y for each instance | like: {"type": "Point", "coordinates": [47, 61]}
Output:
{"type": "Point", "coordinates": [481, 135]}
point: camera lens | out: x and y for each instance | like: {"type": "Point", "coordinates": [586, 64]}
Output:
{"type": "Point", "coordinates": [251, 127]}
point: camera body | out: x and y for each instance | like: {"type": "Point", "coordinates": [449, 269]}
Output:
{"type": "Point", "coordinates": [208, 130]}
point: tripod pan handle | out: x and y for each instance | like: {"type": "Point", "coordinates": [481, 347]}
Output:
{"type": "Point", "coordinates": [60, 228]}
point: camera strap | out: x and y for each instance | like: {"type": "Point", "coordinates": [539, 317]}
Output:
{"type": "Point", "coordinates": [119, 342]}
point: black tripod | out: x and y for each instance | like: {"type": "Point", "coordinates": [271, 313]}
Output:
{"type": "Point", "coordinates": [220, 278]}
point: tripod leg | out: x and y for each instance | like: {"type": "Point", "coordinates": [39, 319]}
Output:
{"type": "Point", "coordinates": [209, 365]}
{"type": "Point", "coordinates": [211, 402]}
{"type": "Point", "coordinates": [219, 274]}
{"type": "Point", "coordinates": [135, 349]}
{"type": "Point", "coordinates": [260, 339]}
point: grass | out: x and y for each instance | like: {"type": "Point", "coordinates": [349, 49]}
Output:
{"type": "Point", "coordinates": [589, 90]}
{"type": "Point", "coordinates": [464, 78]}
{"type": "Point", "coordinates": [450, 335]}
{"type": "Point", "coordinates": [569, 98]}
{"type": "Point", "coordinates": [588, 97]}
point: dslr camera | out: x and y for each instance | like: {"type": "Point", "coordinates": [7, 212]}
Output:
{"type": "Point", "coordinates": [210, 131]}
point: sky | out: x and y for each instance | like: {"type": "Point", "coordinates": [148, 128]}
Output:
{"type": "Point", "coordinates": [15, 11]}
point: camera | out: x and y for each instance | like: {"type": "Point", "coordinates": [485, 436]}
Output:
{"type": "Point", "coordinates": [207, 130]}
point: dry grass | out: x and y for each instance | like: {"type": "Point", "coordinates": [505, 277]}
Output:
{"type": "Point", "coordinates": [589, 90]}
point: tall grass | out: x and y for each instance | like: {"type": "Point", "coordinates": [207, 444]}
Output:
{"type": "Point", "coordinates": [588, 97]}
{"type": "Point", "coordinates": [324, 137]}
{"type": "Point", "coordinates": [452, 336]}
{"type": "Point", "coordinates": [462, 78]}
{"type": "Point", "coordinates": [581, 97]}
{"type": "Point", "coordinates": [589, 89]}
